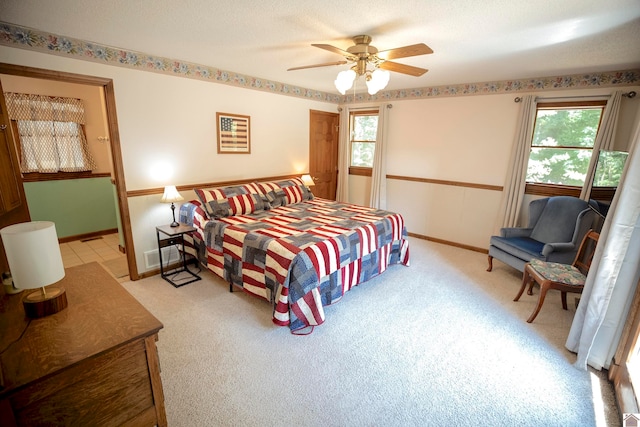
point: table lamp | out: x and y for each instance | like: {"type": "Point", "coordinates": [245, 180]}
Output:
{"type": "Point", "coordinates": [171, 195]}
{"type": "Point", "coordinates": [307, 180]}
{"type": "Point", "coordinates": [35, 261]}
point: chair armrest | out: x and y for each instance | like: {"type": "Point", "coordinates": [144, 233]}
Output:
{"type": "Point", "coordinates": [515, 232]}
{"type": "Point", "coordinates": [558, 247]}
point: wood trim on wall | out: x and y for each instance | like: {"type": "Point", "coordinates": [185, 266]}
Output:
{"type": "Point", "coordinates": [449, 243]}
{"type": "Point", "coordinates": [444, 182]}
{"type": "Point", "coordinates": [87, 236]}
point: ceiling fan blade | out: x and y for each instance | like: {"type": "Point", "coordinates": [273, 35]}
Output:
{"type": "Point", "coordinates": [406, 51]}
{"type": "Point", "coordinates": [332, 49]}
{"type": "Point", "coordinates": [326, 64]}
{"type": "Point", "coordinates": [402, 68]}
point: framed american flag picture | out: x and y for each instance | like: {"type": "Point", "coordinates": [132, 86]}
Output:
{"type": "Point", "coordinates": [233, 133]}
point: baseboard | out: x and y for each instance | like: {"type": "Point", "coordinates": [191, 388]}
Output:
{"type": "Point", "coordinates": [447, 242]}
{"type": "Point", "coordinates": [87, 235]}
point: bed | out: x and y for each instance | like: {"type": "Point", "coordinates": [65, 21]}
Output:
{"type": "Point", "coordinates": [276, 241]}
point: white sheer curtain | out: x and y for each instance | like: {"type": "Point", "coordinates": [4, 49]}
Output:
{"type": "Point", "coordinates": [378, 198]}
{"type": "Point", "coordinates": [604, 139]}
{"type": "Point", "coordinates": [513, 192]}
{"type": "Point", "coordinates": [51, 134]}
{"type": "Point", "coordinates": [614, 273]}
{"type": "Point", "coordinates": [342, 191]}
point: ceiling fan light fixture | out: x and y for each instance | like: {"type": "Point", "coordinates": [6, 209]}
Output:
{"type": "Point", "coordinates": [377, 81]}
{"type": "Point", "coordinates": [344, 80]}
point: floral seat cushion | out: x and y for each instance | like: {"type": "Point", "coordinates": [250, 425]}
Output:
{"type": "Point", "coordinates": [556, 272]}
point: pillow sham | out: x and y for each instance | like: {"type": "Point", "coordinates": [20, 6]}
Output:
{"type": "Point", "coordinates": [232, 200]}
{"type": "Point", "coordinates": [285, 192]}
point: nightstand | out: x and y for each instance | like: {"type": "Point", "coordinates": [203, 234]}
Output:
{"type": "Point", "coordinates": [174, 236]}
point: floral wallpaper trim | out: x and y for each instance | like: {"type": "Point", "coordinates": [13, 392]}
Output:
{"type": "Point", "coordinates": [576, 81]}
{"type": "Point", "coordinates": [30, 39]}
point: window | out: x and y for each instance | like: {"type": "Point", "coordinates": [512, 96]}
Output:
{"type": "Point", "coordinates": [562, 146]}
{"type": "Point", "coordinates": [51, 134]}
{"type": "Point", "coordinates": [363, 129]}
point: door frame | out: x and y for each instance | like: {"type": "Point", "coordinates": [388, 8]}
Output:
{"type": "Point", "coordinates": [114, 139]}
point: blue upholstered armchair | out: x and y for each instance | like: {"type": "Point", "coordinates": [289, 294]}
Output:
{"type": "Point", "coordinates": [556, 228]}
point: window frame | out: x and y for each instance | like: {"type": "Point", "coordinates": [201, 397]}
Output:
{"type": "Point", "coordinates": [548, 189]}
{"type": "Point", "coordinates": [359, 170]}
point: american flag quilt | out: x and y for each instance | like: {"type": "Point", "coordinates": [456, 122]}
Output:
{"type": "Point", "coordinates": [300, 257]}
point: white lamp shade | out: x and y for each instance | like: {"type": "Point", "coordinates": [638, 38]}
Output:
{"type": "Point", "coordinates": [307, 180]}
{"type": "Point", "coordinates": [33, 253]}
{"type": "Point", "coordinates": [379, 80]}
{"type": "Point", "coordinates": [344, 81]}
{"type": "Point", "coordinates": [171, 194]}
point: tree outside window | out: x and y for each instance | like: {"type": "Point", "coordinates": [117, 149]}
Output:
{"type": "Point", "coordinates": [562, 144]}
{"type": "Point", "coordinates": [364, 127]}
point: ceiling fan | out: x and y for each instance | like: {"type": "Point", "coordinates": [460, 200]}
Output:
{"type": "Point", "coordinates": [362, 54]}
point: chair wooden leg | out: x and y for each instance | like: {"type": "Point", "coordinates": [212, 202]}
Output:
{"type": "Point", "coordinates": [525, 279]}
{"type": "Point", "coordinates": [563, 296]}
{"type": "Point", "coordinates": [490, 263]}
{"type": "Point", "coordinates": [530, 290]}
{"type": "Point", "coordinates": [543, 294]}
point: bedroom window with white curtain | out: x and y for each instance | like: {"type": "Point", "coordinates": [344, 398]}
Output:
{"type": "Point", "coordinates": [363, 130]}
{"type": "Point", "coordinates": [562, 145]}
{"type": "Point", "coordinates": [51, 133]}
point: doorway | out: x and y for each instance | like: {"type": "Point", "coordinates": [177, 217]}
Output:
{"type": "Point", "coordinates": [323, 152]}
{"type": "Point", "coordinates": [112, 126]}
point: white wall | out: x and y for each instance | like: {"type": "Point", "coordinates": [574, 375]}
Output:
{"type": "Point", "coordinates": [168, 133]}
{"type": "Point", "coordinates": [465, 139]}
{"type": "Point", "coordinates": [167, 124]}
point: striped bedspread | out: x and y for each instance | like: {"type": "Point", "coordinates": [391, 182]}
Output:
{"type": "Point", "coordinates": [299, 257]}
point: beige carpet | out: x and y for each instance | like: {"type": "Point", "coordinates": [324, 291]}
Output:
{"type": "Point", "coordinates": [117, 266]}
{"type": "Point", "coordinates": [438, 343]}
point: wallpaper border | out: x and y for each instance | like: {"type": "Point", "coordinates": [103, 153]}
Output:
{"type": "Point", "coordinates": [30, 39]}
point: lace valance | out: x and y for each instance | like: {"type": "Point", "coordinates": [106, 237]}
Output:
{"type": "Point", "coordinates": [24, 106]}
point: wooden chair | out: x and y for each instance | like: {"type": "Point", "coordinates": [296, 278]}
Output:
{"type": "Point", "coordinates": [563, 277]}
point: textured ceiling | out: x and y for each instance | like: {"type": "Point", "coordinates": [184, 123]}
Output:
{"type": "Point", "coordinates": [473, 41]}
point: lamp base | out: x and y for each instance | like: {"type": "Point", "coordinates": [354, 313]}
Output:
{"type": "Point", "coordinates": [40, 304]}
{"type": "Point", "coordinates": [174, 224]}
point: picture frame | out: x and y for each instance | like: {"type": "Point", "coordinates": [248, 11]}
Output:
{"type": "Point", "coordinates": [234, 133]}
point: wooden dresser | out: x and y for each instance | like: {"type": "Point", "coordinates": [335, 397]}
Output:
{"type": "Point", "coordinates": [93, 363]}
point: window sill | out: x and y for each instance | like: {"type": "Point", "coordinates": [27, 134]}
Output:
{"type": "Point", "coordinates": [548, 190]}
{"type": "Point", "coordinates": [359, 170]}
{"type": "Point", "coordinates": [36, 176]}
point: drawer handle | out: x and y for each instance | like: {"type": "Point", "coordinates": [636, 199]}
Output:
{"type": "Point", "coordinates": [3, 127]}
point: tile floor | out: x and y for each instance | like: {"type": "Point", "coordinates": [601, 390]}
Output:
{"type": "Point", "coordinates": [78, 252]}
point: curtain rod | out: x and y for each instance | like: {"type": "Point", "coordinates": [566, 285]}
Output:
{"type": "Point", "coordinates": [367, 108]}
{"type": "Point", "coordinates": [629, 95]}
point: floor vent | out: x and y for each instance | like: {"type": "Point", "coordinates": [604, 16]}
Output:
{"type": "Point", "coordinates": [170, 254]}
{"type": "Point", "coordinates": [90, 239]}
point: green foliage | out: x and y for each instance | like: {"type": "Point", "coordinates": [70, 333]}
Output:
{"type": "Point", "coordinates": [362, 154]}
{"type": "Point", "coordinates": [609, 168]}
{"type": "Point", "coordinates": [562, 145]}
{"type": "Point", "coordinates": [365, 128]}
{"type": "Point", "coordinates": [363, 138]}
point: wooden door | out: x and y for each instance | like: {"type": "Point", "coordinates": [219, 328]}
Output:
{"type": "Point", "coordinates": [13, 205]}
{"type": "Point", "coordinates": [323, 153]}
{"type": "Point", "coordinates": [10, 178]}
